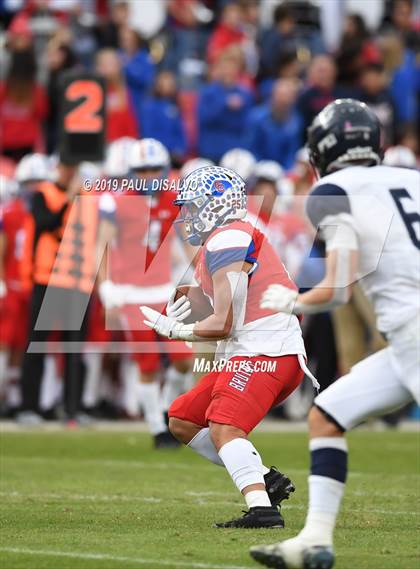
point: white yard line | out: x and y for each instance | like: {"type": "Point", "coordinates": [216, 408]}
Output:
{"type": "Point", "coordinates": [135, 464]}
{"type": "Point", "coordinates": [198, 498]}
{"type": "Point", "coordinates": [81, 497]}
{"type": "Point", "coordinates": [119, 559]}
{"type": "Point", "coordinates": [267, 426]}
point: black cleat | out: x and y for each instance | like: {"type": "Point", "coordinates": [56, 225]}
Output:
{"type": "Point", "coordinates": [316, 557]}
{"type": "Point", "coordinates": [258, 517]}
{"type": "Point", "coordinates": [166, 440]}
{"type": "Point", "coordinates": [278, 486]}
{"type": "Point", "coordinates": [267, 558]}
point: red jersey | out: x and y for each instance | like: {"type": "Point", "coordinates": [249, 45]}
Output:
{"type": "Point", "coordinates": [287, 232]}
{"type": "Point", "coordinates": [241, 241]}
{"type": "Point", "coordinates": [141, 254]}
{"type": "Point", "coordinates": [12, 221]}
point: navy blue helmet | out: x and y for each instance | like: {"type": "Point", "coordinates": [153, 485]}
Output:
{"type": "Point", "coordinates": [344, 133]}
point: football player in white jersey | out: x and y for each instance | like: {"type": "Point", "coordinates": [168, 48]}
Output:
{"type": "Point", "coordinates": [369, 217]}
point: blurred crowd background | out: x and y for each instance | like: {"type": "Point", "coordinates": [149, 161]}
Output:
{"type": "Point", "coordinates": [235, 82]}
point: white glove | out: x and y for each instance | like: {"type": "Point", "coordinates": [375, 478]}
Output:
{"type": "Point", "coordinates": [180, 309]}
{"type": "Point", "coordinates": [3, 289]}
{"type": "Point", "coordinates": [166, 326]}
{"type": "Point", "coordinates": [110, 295]}
{"type": "Point", "coordinates": [279, 298]}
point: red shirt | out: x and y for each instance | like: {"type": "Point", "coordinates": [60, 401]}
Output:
{"type": "Point", "coordinates": [119, 115]}
{"type": "Point", "coordinates": [21, 125]}
{"type": "Point", "coordinates": [12, 219]}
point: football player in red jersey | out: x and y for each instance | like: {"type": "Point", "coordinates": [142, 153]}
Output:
{"type": "Point", "coordinates": [138, 225]}
{"type": "Point", "coordinates": [262, 354]}
{"type": "Point", "coordinates": [13, 297]}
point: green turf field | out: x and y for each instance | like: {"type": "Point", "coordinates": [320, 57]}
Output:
{"type": "Point", "coordinates": [85, 500]}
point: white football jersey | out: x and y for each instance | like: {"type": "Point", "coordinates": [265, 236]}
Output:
{"type": "Point", "coordinates": [382, 203]}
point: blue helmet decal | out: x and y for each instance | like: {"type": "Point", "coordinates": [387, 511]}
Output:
{"type": "Point", "coordinates": [219, 187]}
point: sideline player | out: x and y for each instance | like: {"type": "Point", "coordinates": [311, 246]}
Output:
{"type": "Point", "coordinates": [138, 223]}
{"type": "Point", "coordinates": [369, 216]}
{"type": "Point", "coordinates": [236, 264]}
{"type": "Point", "coordinates": [13, 299]}
{"type": "Point", "coordinates": [14, 290]}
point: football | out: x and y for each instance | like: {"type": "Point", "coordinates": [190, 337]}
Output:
{"type": "Point", "coordinates": [200, 304]}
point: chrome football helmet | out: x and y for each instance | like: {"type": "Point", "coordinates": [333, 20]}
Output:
{"type": "Point", "coordinates": [209, 198]}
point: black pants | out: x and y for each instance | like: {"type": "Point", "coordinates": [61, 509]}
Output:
{"type": "Point", "coordinates": [320, 347]}
{"type": "Point", "coordinates": [64, 310]}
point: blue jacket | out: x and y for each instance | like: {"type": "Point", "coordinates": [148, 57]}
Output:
{"type": "Point", "coordinates": [405, 88]}
{"type": "Point", "coordinates": [161, 119]}
{"type": "Point", "coordinates": [139, 73]}
{"type": "Point", "coordinates": [220, 127]}
{"type": "Point", "coordinates": [269, 139]}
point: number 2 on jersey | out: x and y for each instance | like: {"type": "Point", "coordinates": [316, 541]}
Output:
{"type": "Point", "coordinates": [409, 218]}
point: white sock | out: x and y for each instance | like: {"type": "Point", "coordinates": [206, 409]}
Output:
{"type": "Point", "coordinates": [149, 394]}
{"type": "Point", "coordinates": [93, 363]}
{"type": "Point", "coordinates": [13, 373]}
{"type": "Point", "coordinates": [130, 380]}
{"type": "Point", "coordinates": [325, 492]}
{"type": "Point", "coordinates": [257, 498]}
{"type": "Point", "coordinates": [243, 463]}
{"type": "Point", "coordinates": [51, 387]}
{"type": "Point", "coordinates": [4, 357]}
{"type": "Point", "coordinates": [173, 387]}
{"type": "Point", "coordinates": [325, 496]}
{"type": "Point", "coordinates": [203, 445]}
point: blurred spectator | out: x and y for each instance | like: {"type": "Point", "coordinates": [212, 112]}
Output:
{"type": "Point", "coordinates": [81, 24]}
{"type": "Point", "coordinates": [356, 50]}
{"type": "Point", "coordinates": [288, 67]}
{"type": "Point", "coordinates": [321, 88]}
{"type": "Point", "coordinates": [285, 36]}
{"type": "Point", "coordinates": [161, 118]}
{"type": "Point", "coordinates": [139, 68]}
{"type": "Point", "coordinates": [223, 107]}
{"type": "Point", "coordinates": [402, 22]}
{"type": "Point", "coordinates": [275, 129]}
{"type": "Point", "coordinates": [23, 107]}
{"type": "Point", "coordinates": [19, 33]}
{"type": "Point", "coordinates": [402, 65]}
{"type": "Point", "coordinates": [375, 93]}
{"type": "Point", "coordinates": [188, 35]}
{"type": "Point", "coordinates": [108, 30]}
{"type": "Point", "coordinates": [228, 32]}
{"type": "Point", "coordinates": [120, 119]}
{"type": "Point", "coordinates": [60, 58]}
